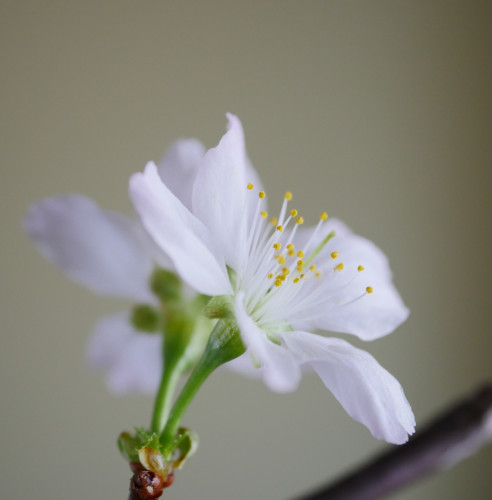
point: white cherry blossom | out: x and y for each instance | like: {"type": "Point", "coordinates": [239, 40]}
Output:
{"type": "Point", "coordinates": [110, 254]}
{"type": "Point", "coordinates": [283, 280]}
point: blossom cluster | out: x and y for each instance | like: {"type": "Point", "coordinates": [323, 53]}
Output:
{"type": "Point", "coordinates": [204, 216]}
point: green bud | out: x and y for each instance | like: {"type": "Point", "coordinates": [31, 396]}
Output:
{"type": "Point", "coordinates": [220, 306]}
{"type": "Point", "coordinates": [145, 318]}
{"type": "Point", "coordinates": [165, 284]}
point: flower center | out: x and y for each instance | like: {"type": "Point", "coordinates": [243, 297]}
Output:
{"type": "Point", "coordinates": [274, 274]}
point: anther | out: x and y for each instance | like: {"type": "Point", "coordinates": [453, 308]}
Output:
{"type": "Point", "coordinates": [277, 246]}
{"type": "Point", "coordinates": [261, 194]}
{"type": "Point", "coordinates": [278, 282]}
{"type": "Point", "coordinates": [339, 267]}
{"type": "Point", "coordinates": [300, 220]}
{"type": "Point", "coordinates": [264, 214]}
{"type": "Point", "coordinates": [313, 268]}
{"type": "Point", "coordinates": [293, 213]}
{"type": "Point", "coordinates": [290, 246]}
{"type": "Point", "coordinates": [369, 289]}
{"type": "Point", "coordinates": [250, 186]}
{"type": "Point", "coordinates": [270, 275]}
{"type": "Point", "coordinates": [288, 196]}
{"type": "Point", "coordinates": [281, 260]}
{"type": "Point", "coordinates": [273, 221]}
{"type": "Point", "coordinates": [300, 254]}
{"type": "Point", "coordinates": [285, 271]}
{"type": "Point", "coordinates": [334, 255]}
{"type": "Point", "coordinates": [291, 253]}
{"type": "Point", "coordinates": [323, 216]}
{"type": "Point", "coordinates": [280, 229]}
{"type": "Point", "coordinates": [360, 268]}
{"type": "Point", "coordinates": [318, 275]}
{"type": "Point", "coordinates": [296, 280]}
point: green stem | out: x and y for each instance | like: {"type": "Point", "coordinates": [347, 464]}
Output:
{"type": "Point", "coordinates": [162, 406]}
{"type": "Point", "coordinates": [224, 345]}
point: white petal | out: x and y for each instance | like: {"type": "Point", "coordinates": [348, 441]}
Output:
{"type": "Point", "coordinates": [280, 371]}
{"type": "Point", "coordinates": [179, 166]}
{"type": "Point", "coordinates": [364, 388]}
{"type": "Point", "coordinates": [131, 360]}
{"type": "Point", "coordinates": [373, 315]}
{"type": "Point", "coordinates": [101, 250]}
{"type": "Point", "coordinates": [219, 194]}
{"type": "Point", "coordinates": [178, 233]}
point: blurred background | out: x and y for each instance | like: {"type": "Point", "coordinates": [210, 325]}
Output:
{"type": "Point", "coordinates": [377, 112]}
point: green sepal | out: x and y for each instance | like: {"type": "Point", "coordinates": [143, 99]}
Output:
{"type": "Point", "coordinates": [220, 307]}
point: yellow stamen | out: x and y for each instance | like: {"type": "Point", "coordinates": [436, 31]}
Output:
{"type": "Point", "coordinates": [296, 280]}
{"type": "Point", "coordinates": [300, 254]}
{"type": "Point", "coordinates": [291, 253]}
{"type": "Point", "coordinates": [290, 246]}
{"type": "Point", "coordinates": [369, 289]}
{"type": "Point", "coordinates": [288, 195]}
{"type": "Point", "coordinates": [280, 229]}
{"type": "Point", "coordinates": [277, 246]}
{"type": "Point", "coordinates": [250, 186]}
{"type": "Point", "coordinates": [293, 213]}
{"type": "Point", "coordinates": [273, 221]}
{"type": "Point", "coordinates": [278, 282]}
{"type": "Point", "coordinates": [270, 275]}
{"type": "Point", "coordinates": [302, 276]}
{"type": "Point", "coordinates": [281, 260]}
{"type": "Point", "coordinates": [323, 216]}
{"type": "Point", "coordinates": [261, 194]}
{"type": "Point", "coordinates": [264, 214]}
{"type": "Point", "coordinates": [300, 220]}
{"type": "Point", "coordinates": [318, 275]}
{"type": "Point", "coordinates": [334, 255]}
{"type": "Point", "coordinates": [285, 271]}
{"type": "Point", "coordinates": [360, 268]}
{"type": "Point", "coordinates": [339, 267]}
{"type": "Point", "coordinates": [313, 268]}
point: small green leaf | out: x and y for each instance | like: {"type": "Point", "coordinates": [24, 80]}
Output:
{"type": "Point", "coordinates": [186, 444]}
{"type": "Point", "coordinates": [128, 446]}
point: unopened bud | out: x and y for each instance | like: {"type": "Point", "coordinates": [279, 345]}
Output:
{"type": "Point", "coordinates": [146, 485]}
{"type": "Point", "coordinates": [145, 318]}
{"type": "Point", "coordinates": [165, 284]}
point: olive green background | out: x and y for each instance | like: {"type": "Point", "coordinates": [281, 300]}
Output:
{"type": "Point", "coordinates": [377, 112]}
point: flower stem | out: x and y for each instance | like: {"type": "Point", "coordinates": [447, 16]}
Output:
{"type": "Point", "coordinates": [224, 345]}
{"type": "Point", "coordinates": [170, 377]}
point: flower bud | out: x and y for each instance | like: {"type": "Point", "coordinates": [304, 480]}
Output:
{"type": "Point", "coordinates": [145, 318]}
{"type": "Point", "coordinates": [165, 284]}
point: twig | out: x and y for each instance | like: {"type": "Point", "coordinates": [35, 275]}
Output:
{"type": "Point", "coordinates": [451, 437]}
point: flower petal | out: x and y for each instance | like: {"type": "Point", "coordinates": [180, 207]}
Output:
{"type": "Point", "coordinates": [219, 195]}
{"type": "Point", "coordinates": [178, 233]}
{"type": "Point", "coordinates": [130, 359]}
{"type": "Point", "coordinates": [179, 166]}
{"type": "Point", "coordinates": [279, 369]}
{"type": "Point", "coordinates": [101, 250]}
{"type": "Point", "coordinates": [369, 394]}
{"type": "Point", "coordinates": [348, 308]}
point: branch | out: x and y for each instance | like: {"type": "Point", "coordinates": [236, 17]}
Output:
{"type": "Point", "coordinates": [454, 435]}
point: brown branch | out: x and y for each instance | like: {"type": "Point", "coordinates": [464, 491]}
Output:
{"type": "Point", "coordinates": [452, 436]}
